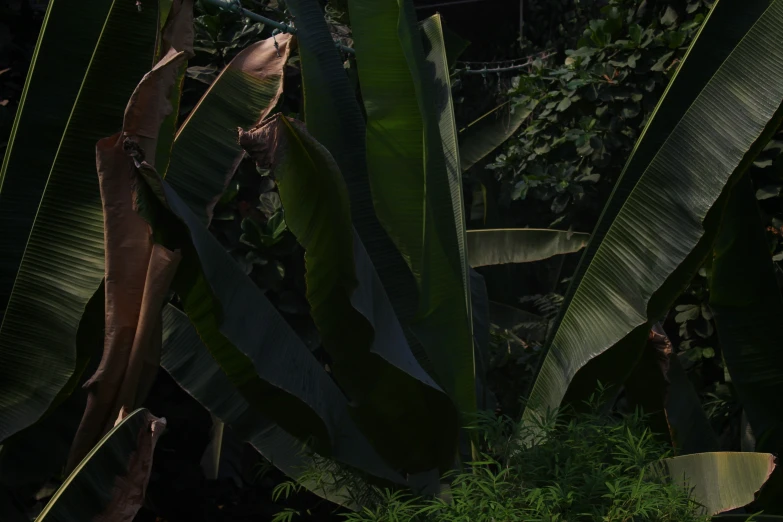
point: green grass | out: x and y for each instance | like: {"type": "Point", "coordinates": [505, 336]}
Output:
{"type": "Point", "coordinates": [586, 467]}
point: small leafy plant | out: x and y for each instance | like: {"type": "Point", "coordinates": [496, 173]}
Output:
{"type": "Point", "coordinates": [577, 467]}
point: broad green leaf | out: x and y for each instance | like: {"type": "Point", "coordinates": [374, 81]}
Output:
{"type": "Point", "coordinates": [334, 118]}
{"type": "Point", "coordinates": [662, 218]}
{"type": "Point", "coordinates": [520, 245]}
{"type": "Point", "coordinates": [63, 261]}
{"type": "Point", "coordinates": [747, 307]}
{"type": "Point", "coordinates": [370, 356]}
{"type": "Point", "coordinates": [721, 481]}
{"type": "Point", "coordinates": [414, 184]}
{"type": "Point", "coordinates": [205, 152]}
{"type": "Point", "coordinates": [261, 355]}
{"type": "Point", "coordinates": [28, 159]}
{"type": "Point", "coordinates": [112, 478]}
{"type": "Point", "coordinates": [489, 132]}
{"type": "Point", "coordinates": [189, 362]}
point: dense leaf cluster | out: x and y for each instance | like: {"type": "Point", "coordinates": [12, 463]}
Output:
{"type": "Point", "coordinates": [587, 109]}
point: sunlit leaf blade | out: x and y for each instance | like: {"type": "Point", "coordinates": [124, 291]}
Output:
{"type": "Point", "coordinates": [188, 361]}
{"type": "Point", "coordinates": [411, 182]}
{"type": "Point", "coordinates": [334, 118]}
{"type": "Point", "coordinates": [658, 226]}
{"type": "Point", "coordinates": [747, 308]}
{"type": "Point", "coordinates": [721, 481]}
{"type": "Point", "coordinates": [205, 152]}
{"type": "Point", "coordinates": [261, 355]}
{"type": "Point", "coordinates": [30, 152]}
{"type": "Point", "coordinates": [488, 132]}
{"type": "Point", "coordinates": [370, 356]}
{"type": "Point", "coordinates": [112, 478]}
{"type": "Point", "coordinates": [520, 245]}
{"type": "Point", "coordinates": [63, 262]}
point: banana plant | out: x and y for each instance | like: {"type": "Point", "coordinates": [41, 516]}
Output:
{"type": "Point", "coordinates": [684, 198]}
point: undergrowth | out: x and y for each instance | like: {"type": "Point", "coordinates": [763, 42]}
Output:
{"type": "Point", "coordinates": [589, 466]}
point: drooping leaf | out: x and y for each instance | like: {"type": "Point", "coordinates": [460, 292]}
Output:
{"type": "Point", "coordinates": [261, 355]}
{"type": "Point", "coordinates": [30, 154]}
{"type": "Point", "coordinates": [489, 132]}
{"type": "Point", "coordinates": [747, 308]}
{"type": "Point", "coordinates": [721, 481]}
{"type": "Point", "coordinates": [110, 482]}
{"type": "Point", "coordinates": [660, 222]}
{"type": "Point", "coordinates": [63, 261]}
{"type": "Point", "coordinates": [188, 361]}
{"type": "Point", "coordinates": [334, 118]}
{"type": "Point", "coordinates": [205, 152]}
{"type": "Point", "coordinates": [138, 274]}
{"type": "Point", "coordinates": [370, 355]}
{"type": "Point", "coordinates": [520, 245]}
{"type": "Point", "coordinates": [411, 158]}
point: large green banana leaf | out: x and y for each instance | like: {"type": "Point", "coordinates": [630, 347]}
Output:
{"type": "Point", "coordinates": [662, 217]}
{"type": "Point", "coordinates": [370, 356]}
{"type": "Point", "coordinates": [40, 122]}
{"type": "Point", "coordinates": [188, 361]}
{"type": "Point", "coordinates": [520, 245]}
{"type": "Point", "coordinates": [109, 483]}
{"type": "Point", "coordinates": [258, 351]}
{"type": "Point", "coordinates": [334, 118]}
{"type": "Point", "coordinates": [415, 186]}
{"type": "Point", "coordinates": [205, 152]}
{"type": "Point", "coordinates": [63, 260]}
{"type": "Point", "coordinates": [721, 481]}
{"type": "Point", "coordinates": [488, 132]}
{"type": "Point", "coordinates": [747, 308]}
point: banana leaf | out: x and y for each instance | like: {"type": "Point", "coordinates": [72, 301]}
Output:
{"type": "Point", "coordinates": [520, 245]}
{"type": "Point", "coordinates": [721, 481]}
{"type": "Point", "coordinates": [660, 222]}
{"type": "Point", "coordinates": [63, 262]}
{"type": "Point", "coordinates": [413, 168]}
{"type": "Point", "coordinates": [205, 153]}
{"type": "Point", "coordinates": [30, 154]}
{"type": "Point", "coordinates": [370, 356]}
{"type": "Point", "coordinates": [188, 361]}
{"type": "Point", "coordinates": [334, 118]}
{"type": "Point", "coordinates": [260, 354]}
{"type": "Point", "coordinates": [747, 307]}
{"type": "Point", "coordinates": [110, 482]}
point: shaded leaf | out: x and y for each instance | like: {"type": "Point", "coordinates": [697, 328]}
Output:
{"type": "Point", "coordinates": [370, 356]}
{"type": "Point", "coordinates": [110, 482]}
{"type": "Point", "coordinates": [747, 307]}
{"type": "Point", "coordinates": [63, 261]}
{"type": "Point", "coordinates": [189, 362]}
